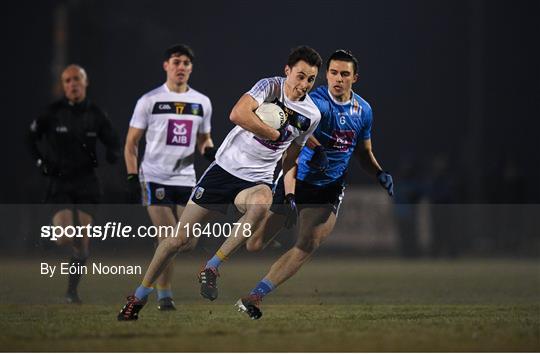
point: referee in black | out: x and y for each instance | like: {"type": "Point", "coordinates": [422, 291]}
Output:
{"type": "Point", "coordinates": [63, 144]}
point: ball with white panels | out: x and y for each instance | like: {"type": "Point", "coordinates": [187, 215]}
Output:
{"type": "Point", "coordinates": [271, 114]}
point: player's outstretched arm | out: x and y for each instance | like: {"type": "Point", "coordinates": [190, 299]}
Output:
{"type": "Point", "coordinates": [33, 136]}
{"type": "Point", "coordinates": [289, 164]}
{"type": "Point", "coordinates": [205, 146]}
{"type": "Point", "coordinates": [243, 115]}
{"type": "Point", "coordinates": [290, 167]}
{"type": "Point", "coordinates": [131, 151]}
{"type": "Point", "coordinates": [364, 153]}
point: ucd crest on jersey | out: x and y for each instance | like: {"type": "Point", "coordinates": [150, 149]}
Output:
{"type": "Point", "coordinates": [199, 191]}
{"type": "Point", "coordinates": [196, 109]}
{"type": "Point", "coordinates": [160, 193]}
{"type": "Point", "coordinates": [295, 119]}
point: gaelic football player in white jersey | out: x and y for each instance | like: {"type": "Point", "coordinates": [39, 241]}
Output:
{"type": "Point", "coordinates": [244, 170]}
{"type": "Point", "coordinates": [175, 120]}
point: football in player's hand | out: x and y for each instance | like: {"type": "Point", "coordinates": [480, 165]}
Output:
{"type": "Point", "coordinates": [271, 114]}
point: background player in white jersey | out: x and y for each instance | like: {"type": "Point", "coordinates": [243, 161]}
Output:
{"type": "Point", "coordinates": [244, 168]}
{"type": "Point", "coordinates": [176, 119]}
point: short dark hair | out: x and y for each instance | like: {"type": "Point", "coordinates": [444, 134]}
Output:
{"type": "Point", "coordinates": [179, 49]}
{"type": "Point", "coordinates": [343, 55]}
{"type": "Point", "coordinates": [305, 53]}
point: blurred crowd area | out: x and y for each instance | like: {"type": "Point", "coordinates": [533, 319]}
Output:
{"type": "Point", "coordinates": [443, 180]}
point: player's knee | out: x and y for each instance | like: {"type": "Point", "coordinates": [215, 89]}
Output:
{"type": "Point", "coordinates": [257, 212]}
{"type": "Point", "coordinates": [308, 245]}
{"type": "Point", "coordinates": [263, 198]}
{"type": "Point", "coordinates": [300, 254]}
{"type": "Point", "coordinates": [187, 246]}
{"type": "Point", "coordinates": [174, 244]}
{"type": "Point", "coordinates": [254, 244]}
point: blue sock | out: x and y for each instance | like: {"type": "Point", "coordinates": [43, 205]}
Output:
{"type": "Point", "coordinates": [262, 289]}
{"type": "Point", "coordinates": [142, 292]}
{"type": "Point", "coordinates": [163, 293]}
{"type": "Point", "coordinates": [214, 262]}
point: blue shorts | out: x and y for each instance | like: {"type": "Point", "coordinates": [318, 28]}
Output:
{"type": "Point", "coordinates": [217, 189]}
{"type": "Point", "coordinates": [161, 194]}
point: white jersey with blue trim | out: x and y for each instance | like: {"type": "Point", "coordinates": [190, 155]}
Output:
{"type": "Point", "coordinates": [253, 159]}
{"type": "Point", "coordinates": [172, 121]}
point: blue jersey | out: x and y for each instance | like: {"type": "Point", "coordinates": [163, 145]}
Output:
{"type": "Point", "coordinates": [342, 125]}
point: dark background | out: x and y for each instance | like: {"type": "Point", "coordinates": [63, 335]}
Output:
{"type": "Point", "coordinates": [452, 83]}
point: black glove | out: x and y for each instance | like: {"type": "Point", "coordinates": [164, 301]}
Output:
{"type": "Point", "coordinates": [210, 153]}
{"type": "Point", "coordinates": [46, 168]}
{"type": "Point", "coordinates": [386, 181]}
{"type": "Point", "coordinates": [40, 163]}
{"type": "Point", "coordinates": [284, 133]}
{"type": "Point", "coordinates": [133, 189]}
{"type": "Point", "coordinates": [292, 211]}
{"type": "Point", "coordinates": [319, 160]}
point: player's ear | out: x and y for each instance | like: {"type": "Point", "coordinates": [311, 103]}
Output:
{"type": "Point", "coordinates": [355, 78]}
{"type": "Point", "coordinates": [165, 64]}
{"type": "Point", "coordinates": [287, 70]}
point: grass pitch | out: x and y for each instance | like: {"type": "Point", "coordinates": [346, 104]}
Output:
{"type": "Point", "coordinates": [331, 305]}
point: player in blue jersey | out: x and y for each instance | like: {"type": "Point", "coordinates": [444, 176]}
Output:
{"type": "Point", "coordinates": [345, 128]}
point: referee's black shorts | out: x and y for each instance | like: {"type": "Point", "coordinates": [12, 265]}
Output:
{"type": "Point", "coordinates": [82, 191]}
